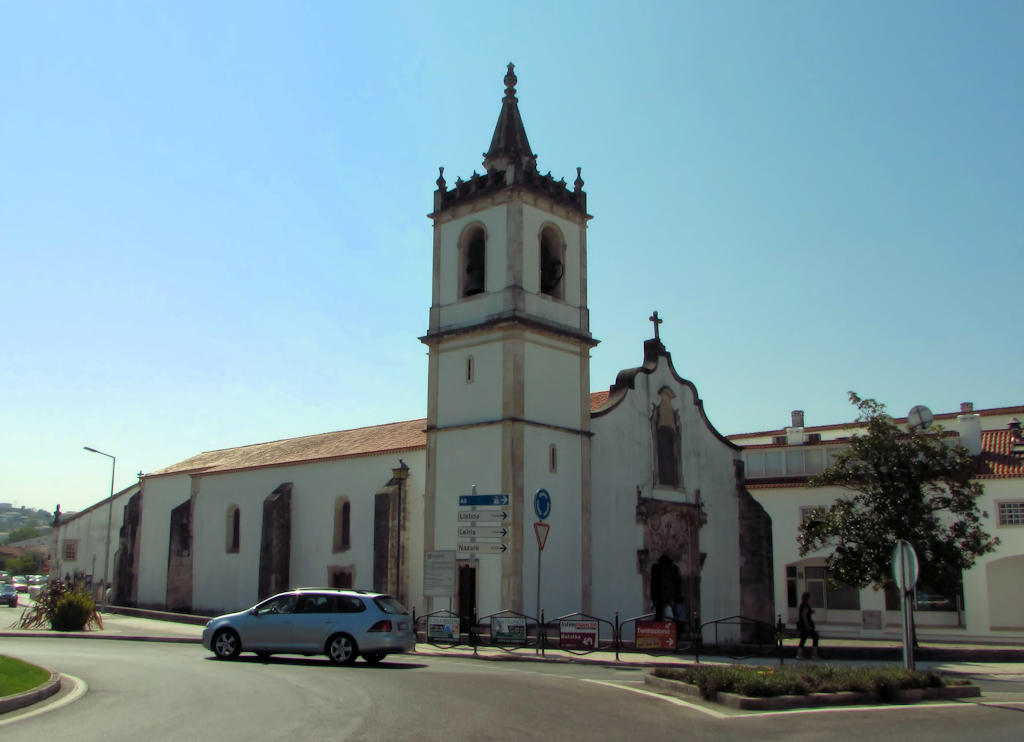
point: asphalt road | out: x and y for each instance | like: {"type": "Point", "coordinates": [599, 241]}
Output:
{"type": "Point", "coordinates": [157, 691]}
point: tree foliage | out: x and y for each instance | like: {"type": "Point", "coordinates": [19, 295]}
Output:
{"type": "Point", "coordinates": [29, 562]}
{"type": "Point", "coordinates": [911, 485]}
{"type": "Point", "coordinates": [24, 533]}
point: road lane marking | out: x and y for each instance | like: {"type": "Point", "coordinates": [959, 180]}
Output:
{"type": "Point", "coordinates": [660, 697]}
{"type": "Point", "coordinates": [849, 709]}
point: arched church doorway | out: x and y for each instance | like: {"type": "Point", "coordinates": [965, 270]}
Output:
{"type": "Point", "coordinates": [666, 587]}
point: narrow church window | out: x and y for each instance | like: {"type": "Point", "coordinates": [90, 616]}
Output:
{"type": "Point", "coordinates": [234, 528]}
{"type": "Point", "coordinates": [667, 441]}
{"type": "Point", "coordinates": [553, 458]}
{"type": "Point", "coordinates": [469, 370]}
{"type": "Point", "coordinates": [552, 262]}
{"type": "Point", "coordinates": [342, 524]}
{"type": "Point", "coordinates": [474, 262]}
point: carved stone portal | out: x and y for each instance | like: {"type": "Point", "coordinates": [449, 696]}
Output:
{"type": "Point", "coordinates": [673, 553]}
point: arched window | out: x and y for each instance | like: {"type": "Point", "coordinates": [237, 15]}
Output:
{"type": "Point", "coordinates": [666, 441]}
{"type": "Point", "coordinates": [342, 524]}
{"type": "Point", "coordinates": [552, 262]}
{"type": "Point", "coordinates": [473, 261]}
{"type": "Point", "coordinates": [234, 529]}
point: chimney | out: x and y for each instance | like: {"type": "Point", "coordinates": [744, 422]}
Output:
{"type": "Point", "coordinates": [966, 407]}
{"type": "Point", "coordinates": [968, 425]}
{"type": "Point", "coordinates": [798, 418]}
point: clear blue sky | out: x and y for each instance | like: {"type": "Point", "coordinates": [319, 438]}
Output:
{"type": "Point", "coordinates": [213, 232]}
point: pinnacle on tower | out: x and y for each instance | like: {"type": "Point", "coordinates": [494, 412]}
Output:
{"type": "Point", "coordinates": [509, 145]}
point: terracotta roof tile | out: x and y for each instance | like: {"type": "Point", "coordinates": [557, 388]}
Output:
{"type": "Point", "coordinates": [997, 461]}
{"type": "Point", "coordinates": [376, 439]}
{"type": "Point", "coordinates": [373, 440]}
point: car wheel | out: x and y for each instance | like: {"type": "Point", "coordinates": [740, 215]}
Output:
{"type": "Point", "coordinates": [342, 649]}
{"type": "Point", "coordinates": [226, 644]}
{"type": "Point", "coordinates": [374, 658]}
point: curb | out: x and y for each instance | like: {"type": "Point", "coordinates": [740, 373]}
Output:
{"type": "Point", "coordinates": [21, 700]}
{"type": "Point", "coordinates": [98, 635]}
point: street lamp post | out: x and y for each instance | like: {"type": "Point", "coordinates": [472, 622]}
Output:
{"type": "Point", "coordinates": [399, 474]}
{"type": "Point", "coordinates": [110, 517]}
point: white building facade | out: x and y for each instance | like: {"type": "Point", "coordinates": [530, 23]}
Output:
{"type": "Point", "coordinates": [778, 465]}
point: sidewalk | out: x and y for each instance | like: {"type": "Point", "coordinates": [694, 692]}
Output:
{"type": "Point", "coordinates": [961, 658]}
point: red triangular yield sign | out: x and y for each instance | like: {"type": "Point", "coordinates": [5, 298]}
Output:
{"type": "Point", "coordinates": [541, 529]}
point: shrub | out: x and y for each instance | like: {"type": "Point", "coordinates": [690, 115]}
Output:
{"type": "Point", "coordinates": [768, 680]}
{"type": "Point", "coordinates": [61, 608]}
{"type": "Point", "coordinates": [73, 611]}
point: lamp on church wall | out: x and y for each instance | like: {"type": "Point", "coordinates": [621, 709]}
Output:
{"type": "Point", "coordinates": [398, 475]}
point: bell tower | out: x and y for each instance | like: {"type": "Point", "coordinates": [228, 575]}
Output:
{"type": "Point", "coordinates": [509, 366]}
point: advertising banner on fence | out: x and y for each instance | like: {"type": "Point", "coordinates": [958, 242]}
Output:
{"type": "Point", "coordinates": [508, 630]}
{"type": "Point", "coordinates": [575, 633]}
{"type": "Point", "coordinates": [443, 629]}
{"type": "Point", "coordinates": [655, 635]}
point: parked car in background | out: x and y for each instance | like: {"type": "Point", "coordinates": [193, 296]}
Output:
{"type": "Point", "coordinates": [8, 595]}
{"type": "Point", "coordinates": [342, 624]}
{"type": "Point", "coordinates": [20, 583]}
{"type": "Point", "coordinates": [5, 576]}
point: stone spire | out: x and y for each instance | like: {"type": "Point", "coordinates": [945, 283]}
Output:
{"type": "Point", "coordinates": [509, 145]}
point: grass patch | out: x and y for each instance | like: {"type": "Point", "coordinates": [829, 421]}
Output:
{"type": "Point", "coordinates": [17, 676]}
{"type": "Point", "coordinates": [769, 680]}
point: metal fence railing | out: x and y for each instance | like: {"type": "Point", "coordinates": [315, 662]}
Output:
{"type": "Point", "coordinates": [580, 633]}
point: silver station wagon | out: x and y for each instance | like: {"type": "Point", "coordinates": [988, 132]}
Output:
{"type": "Point", "coordinates": [342, 624]}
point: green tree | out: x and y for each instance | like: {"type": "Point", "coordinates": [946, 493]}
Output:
{"type": "Point", "coordinates": [22, 534]}
{"type": "Point", "coordinates": [27, 563]}
{"type": "Point", "coordinates": [911, 485]}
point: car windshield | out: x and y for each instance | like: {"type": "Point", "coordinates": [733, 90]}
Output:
{"type": "Point", "coordinates": [389, 605]}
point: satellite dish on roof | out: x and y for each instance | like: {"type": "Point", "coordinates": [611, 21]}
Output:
{"type": "Point", "coordinates": [919, 417]}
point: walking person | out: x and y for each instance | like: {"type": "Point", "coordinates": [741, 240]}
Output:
{"type": "Point", "coordinates": [805, 622]}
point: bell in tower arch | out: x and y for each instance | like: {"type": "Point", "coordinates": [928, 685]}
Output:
{"type": "Point", "coordinates": [473, 281]}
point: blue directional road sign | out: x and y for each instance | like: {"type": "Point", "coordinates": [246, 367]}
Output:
{"type": "Point", "coordinates": [542, 504]}
{"type": "Point", "coordinates": [478, 500]}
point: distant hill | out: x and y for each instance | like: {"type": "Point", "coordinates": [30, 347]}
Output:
{"type": "Point", "coordinates": [12, 518]}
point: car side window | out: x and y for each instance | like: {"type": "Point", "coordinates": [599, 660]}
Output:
{"type": "Point", "coordinates": [349, 604]}
{"type": "Point", "coordinates": [280, 604]}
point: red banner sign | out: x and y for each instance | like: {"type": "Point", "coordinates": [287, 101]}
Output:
{"type": "Point", "coordinates": [577, 634]}
{"type": "Point", "coordinates": [655, 635]}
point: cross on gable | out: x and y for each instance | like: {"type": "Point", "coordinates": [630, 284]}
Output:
{"type": "Point", "coordinates": [654, 318]}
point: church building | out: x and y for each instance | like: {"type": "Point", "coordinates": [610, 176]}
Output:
{"type": "Point", "coordinates": [639, 502]}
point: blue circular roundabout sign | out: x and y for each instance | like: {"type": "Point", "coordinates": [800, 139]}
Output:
{"type": "Point", "coordinates": [542, 504]}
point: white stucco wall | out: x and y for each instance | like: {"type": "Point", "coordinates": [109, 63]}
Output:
{"type": "Point", "coordinates": [561, 561]}
{"type": "Point", "coordinates": [552, 390]}
{"type": "Point", "coordinates": [623, 456]}
{"type": "Point", "coordinates": [89, 530]}
{"type": "Point", "coordinates": [160, 495]}
{"type": "Point", "coordinates": [467, 401]}
{"type": "Point", "coordinates": [224, 581]}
